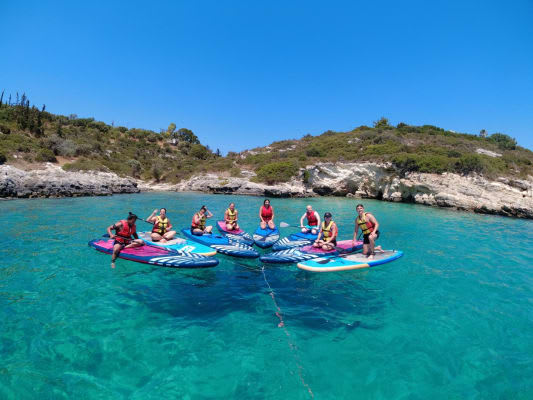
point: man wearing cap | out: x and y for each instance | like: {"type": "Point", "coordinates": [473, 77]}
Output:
{"type": "Point", "coordinates": [328, 233]}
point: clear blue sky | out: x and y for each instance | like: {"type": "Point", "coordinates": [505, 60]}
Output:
{"type": "Point", "coordinates": [244, 73]}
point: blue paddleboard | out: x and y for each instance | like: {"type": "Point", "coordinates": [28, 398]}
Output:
{"type": "Point", "coordinates": [265, 237]}
{"type": "Point", "coordinates": [222, 244]}
{"type": "Point", "coordinates": [352, 261]}
{"type": "Point", "coordinates": [181, 245]}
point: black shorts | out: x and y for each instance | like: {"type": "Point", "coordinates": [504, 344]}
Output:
{"type": "Point", "coordinates": [333, 242]}
{"type": "Point", "coordinates": [366, 238]}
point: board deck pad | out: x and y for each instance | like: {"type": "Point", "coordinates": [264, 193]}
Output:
{"type": "Point", "coordinates": [309, 252]}
{"type": "Point", "coordinates": [223, 244]}
{"type": "Point", "coordinates": [305, 236]}
{"type": "Point", "coordinates": [236, 235]}
{"type": "Point", "coordinates": [155, 255]}
{"type": "Point", "coordinates": [181, 245]}
{"type": "Point", "coordinates": [352, 261]}
{"type": "Point", "coordinates": [265, 237]}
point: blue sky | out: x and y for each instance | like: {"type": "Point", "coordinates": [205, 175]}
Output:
{"type": "Point", "coordinates": [241, 74]}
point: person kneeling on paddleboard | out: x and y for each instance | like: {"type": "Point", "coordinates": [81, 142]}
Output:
{"type": "Point", "coordinates": [266, 215]}
{"type": "Point", "coordinates": [125, 236]}
{"type": "Point", "coordinates": [230, 218]}
{"type": "Point", "coordinates": [313, 221]}
{"type": "Point", "coordinates": [198, 222]}
{"type": "Point", "coordinates": [161, 232]}
{"type": "Point", "coordinates": [369, 225]}
{"type": "Point", "coordinates": [327, 237]}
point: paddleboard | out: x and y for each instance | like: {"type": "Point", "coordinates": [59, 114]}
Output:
{"type": "Point", "coordinates": [352, 261]}
{"type": "Point", "coordinates": [181, 245]}
{"type": "Point", "coordinates": [236, 235]}
{"type": "Point", "coordinates": [286, 243]}
{"type": "Point", "coordinates": [222, 244]}
{"type": "Point", "coordinates": [304, 236]}
{"type": "Point", "coordinates": [265, 237]}
{"type": "Point", "coordinates": [309, 252]}
{"type": "Point", "coordinates": [156, 255]}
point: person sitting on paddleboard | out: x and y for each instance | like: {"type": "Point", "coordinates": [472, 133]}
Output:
{"type": "Point", "coordinates": [370, 227]}
{"type": "Point", "coordinates": [313, 221]}
{"type": "Point", "coordinates": [266, 215]}
{"type": "Point", "coordinates": [198, 222]}
{"type": "Point", "coordinates": [125, 236]}
{"type": "Point", "coordinates": [327, 237]}
{"type": "Point", "coordinates": [161, 232]}
{"type": "Point", "coordinates": [231, 217]}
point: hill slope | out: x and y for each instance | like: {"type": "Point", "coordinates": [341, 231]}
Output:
{"type": "Point", "coordinates": [29, 134]}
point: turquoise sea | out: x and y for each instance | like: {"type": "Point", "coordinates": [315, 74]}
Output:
{"type": "Point", "coordinates": [452, 319]}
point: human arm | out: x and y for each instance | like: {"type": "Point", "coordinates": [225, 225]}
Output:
{"type": "Point", "coordinates": [117, 226]}
{"type": "Point", "coordinates": [374, 221]}
{"type": "Point", "coordinates": [356, 229]}
{"type": "Point", "coordinates": [260, 216]}
{"type": "Point", "coordinates": [151, 217]}
{"type": "Point", "coordinates": [317, 218]}
{"type": "Point", "coordinates": [334, 232]}
{"type": "Point", "coordinates": [208, 214]}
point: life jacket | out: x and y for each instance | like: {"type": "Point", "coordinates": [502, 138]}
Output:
{"type": "Point", "coordinates": [366, 226]}
{"type": "Point", "coordinates": [161, 225]}
{"type": "Point", "coordinates": [125, 232]}
{"type": "Point", "coordinates": [201, 222]}
{"type": "Point", "coordinates": [311, 218]}
{"type": "Point", "coordinates": [231, 215]}
{"type": "Point", "coordinates": [266, 213]}
{"type": "Point", "coordinates": [328, 230]}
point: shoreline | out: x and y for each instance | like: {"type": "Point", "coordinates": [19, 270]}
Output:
{"type": "Point", "coordinates": [503, 196]}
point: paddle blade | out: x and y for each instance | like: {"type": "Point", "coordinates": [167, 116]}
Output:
{"type": "Point", "coordinates": [284, 225]}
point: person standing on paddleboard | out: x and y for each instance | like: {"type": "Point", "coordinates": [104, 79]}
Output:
{"type": "Point", "coordinates": [327, 237]}
{"type": "Point", "coordinates": [161, 232]}
{"type": "Point", "coordinates": [125, 236]}
{"type": "Point", "coordinates": [198, 227]}
{"type": "Point", "coordinates": [266, 215]}
{"type": "Point", "coordinates": [313, 221]}
{"type": "Point", "coordinates": [231, 217]}
{"type": "Point", "coordinates": [370, 227]}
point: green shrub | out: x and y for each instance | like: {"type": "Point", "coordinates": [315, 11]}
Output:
{"type": "Point", "coordinates": [45, 155]}
{"type": "Point", "coordinates": [504, 142]}
{"type": "Point", "coordinates": [469, 163]}
{"type": "Point", "coordinates": [306, 176]}
{"type": "Point", "coordinates": [6, 130]}
{"type": "Point", "coordinates": [315, 151]}
{"type": "Point", "coordinates": [3, 158]}
{"type": "Point", "coordinates": [236, 172]}
{"type": "Point", "coordinates": [277, 172]}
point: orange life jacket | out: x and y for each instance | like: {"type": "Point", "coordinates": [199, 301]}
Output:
{"type": "Point", "coordinates": [125, 232]}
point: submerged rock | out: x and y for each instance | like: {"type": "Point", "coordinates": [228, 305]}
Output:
{"type": "Point", "coordinates": [52, 181]}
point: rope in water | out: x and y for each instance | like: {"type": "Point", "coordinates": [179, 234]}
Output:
{"type": "Point", "coordinates": [291, 345]}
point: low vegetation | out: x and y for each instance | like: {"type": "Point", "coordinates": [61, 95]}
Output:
{"type": "Point", "coordinates": [32, 134]}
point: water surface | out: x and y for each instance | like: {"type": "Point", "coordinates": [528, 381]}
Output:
{"type": "Point", "coordinates": [452, 319]}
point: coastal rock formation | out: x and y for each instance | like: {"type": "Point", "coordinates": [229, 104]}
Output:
{"type": "Point", "coordinates": [509, 197]}
{"type": "Point", "coordinates": [52, 181]}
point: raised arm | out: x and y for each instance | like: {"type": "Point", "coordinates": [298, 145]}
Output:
{"type": "Point", "coordinates": [151, 218]}
{"type": "Point", "coordinates": [208, 214]}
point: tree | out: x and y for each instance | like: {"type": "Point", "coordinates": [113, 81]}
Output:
{"type": "Point", "coordinates": [199, 151]}
{"type": "Point", "coordinates": [2, 98]}
{"type": "Point", "coordinates": [218, 153]}
{"type": "Point", "coordinates": [483, 133]}
{"type": "Point", "coordinates": [171, 128]}
{"type": "Point", "coordinates": [504, 142]}
{"type": "Point", "coordinates": [382, 123]}
{"type": "Point", "coordinates": [188, 136]}
{"type": "Point", "coordinates": [135, 167]}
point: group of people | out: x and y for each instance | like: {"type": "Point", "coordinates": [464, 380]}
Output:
{"type": "Point", "coordinates": [125, 235]}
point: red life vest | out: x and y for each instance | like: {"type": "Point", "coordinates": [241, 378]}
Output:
{"type": "Point", "coordinates": [311, 218]}
{"type": "Point", "coordinates": [125, 232]}
{"type": "Point", "coordinates": [267, 213]}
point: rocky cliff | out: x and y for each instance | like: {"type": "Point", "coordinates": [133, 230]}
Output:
{"type": "Point", "coordinates": [509, 197]}
{"type": "Point", "coordinates": [52, 181]}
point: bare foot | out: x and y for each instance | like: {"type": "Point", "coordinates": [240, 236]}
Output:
{"type": "Point", "coordinates": [163, 240]}
{"type": "Point", "coordinates": [113, 264]}
{"type": "Point", "coordinates": [371, 257]}
{"type": "Point", "coordinates": [379, 248]}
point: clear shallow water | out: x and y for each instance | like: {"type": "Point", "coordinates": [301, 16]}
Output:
{"type": "Point", "coordinates": [452, 319]}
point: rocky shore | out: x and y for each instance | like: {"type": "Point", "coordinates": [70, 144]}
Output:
{"type": "Point", "coordinates": [504, 196]}
{"type": "Point", "coordinates": [52, 181]}
{"type": "Point", "coordinates": [508, 197]}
